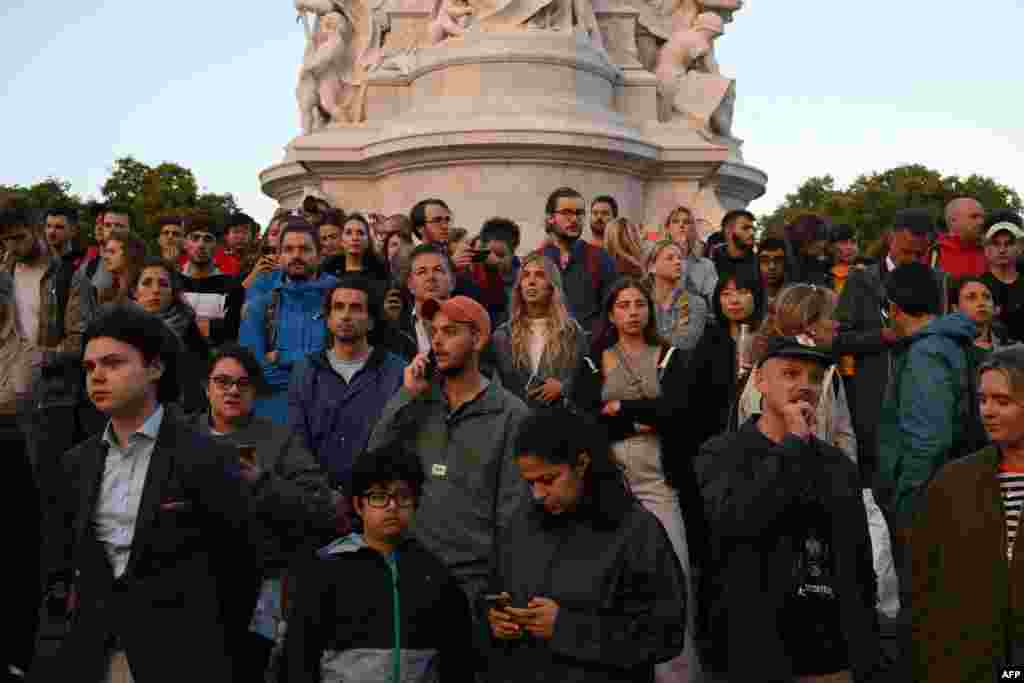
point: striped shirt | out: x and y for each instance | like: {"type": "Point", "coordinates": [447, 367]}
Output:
{"type": "Point", "coordinates": [1012, 485]}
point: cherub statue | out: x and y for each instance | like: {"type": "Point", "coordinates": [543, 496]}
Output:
{"type": "Point", "coordinates": [343, 40]}
{"type": "Point", "coordinates": [451, 18]}
{"type": "Point", "coordinates": [689, 80]}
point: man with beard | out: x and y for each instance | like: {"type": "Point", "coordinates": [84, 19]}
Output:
{"type": "Point", "coordinates": [737, 252]}
{"type": "Point", "coordinates": [588, 272]}
{"type": "Point", "coordinates": [216, 297]}
{"type": "Point", "coordinates": [791, 565]}
{"type": "Point", "coordinates": [602, 210]}
{"type": "Point", "coordinates": [337, 395]}
{"type": "Point", "coordinates": [61, 232]}
{"type": "Point", "coordinates": [463, 428]}
{"type": "Point", "coordinates": [286, 324]}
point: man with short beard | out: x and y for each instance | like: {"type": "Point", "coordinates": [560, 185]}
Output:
{"type": "Point", "coordinates": [61, 232]}
{"type": "Point", "coordinates": [171, 239]}
{"type": "Point", "coordinates": [737, 252]}
{"type": "Point", "coordinates": [463, 428]}
{"type": "Point", "coordinates": [588, 272]}
{"type": "Point", "coordinates": [216, 297]}
{"type": "Point", "coordinates": [602, 210]}
{"type": "Point", "coordinates": [286, 324]}
{"type": "Point", "coordinates": [771, 259]}
{"type": "Point", "coordinates": [336, 396]}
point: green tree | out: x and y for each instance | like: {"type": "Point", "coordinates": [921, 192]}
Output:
{"type": "Point", "coordinates": [871, 200]}
{"type": "Point", "coordinates": [49, 193]}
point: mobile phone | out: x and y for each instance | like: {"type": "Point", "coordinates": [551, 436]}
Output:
{"type": "Point", "coordinates": [498, 602]}
{"type": "Point", "coordinates": [431, 367]}
{"type": "Point", "coordinates": [247, 453]}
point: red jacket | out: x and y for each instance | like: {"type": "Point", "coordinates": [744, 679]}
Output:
{"type": "Point", "coordinates": [229, 264]}
{"type": "Point", "coordinates": [960, 259]}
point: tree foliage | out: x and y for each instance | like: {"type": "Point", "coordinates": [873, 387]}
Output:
{"type": "Point", "coordinates": [870, 202]}
{"type": "Point", "coordinates": [147, 192]}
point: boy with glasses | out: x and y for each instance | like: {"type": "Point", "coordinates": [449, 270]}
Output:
{"type": "Point", "coordinates": [375, 604]}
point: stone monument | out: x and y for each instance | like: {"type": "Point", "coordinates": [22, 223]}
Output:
{"type": "Point", "coordinates": [491, 104]}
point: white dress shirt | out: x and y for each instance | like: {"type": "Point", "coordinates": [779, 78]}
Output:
{"type": "Point", "coordinates": [422, 333]}
{"type": "Point", "coordinates": [124, 476]}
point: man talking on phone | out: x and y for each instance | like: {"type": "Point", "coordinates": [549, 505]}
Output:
{"type": "Point", "coordinates": [789, 594]}
{"type": "Point", "coordinates": [462, 426]}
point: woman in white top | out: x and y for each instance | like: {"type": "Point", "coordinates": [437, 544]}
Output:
{"type": "Point", "coordinates": [538, 350]}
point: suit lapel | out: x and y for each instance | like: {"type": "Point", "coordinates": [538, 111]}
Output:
{"type": "Point", "coordinates": [93, 466]}
{"type": "Point", "coordinates": [156, 476]}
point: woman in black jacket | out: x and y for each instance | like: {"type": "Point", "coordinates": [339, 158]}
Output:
{"type": "Point", "coordinates": [714, 377]}
{"type": "Point", "coordinates": [631, 382]}
{"type": "Point", "coordinates": [356, 256]}
{"type": "Point", "coordinates": [594, 590]}
{"type": "Point", "coordinates": [157, 289]}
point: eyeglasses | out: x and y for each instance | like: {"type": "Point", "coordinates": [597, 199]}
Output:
{"type": "Point", "coordinates": [440, 219]}
{"type": "Point", "coordinates": [224, 383]}
{"type": "Point", "coordinates": [379, 499]}
{"type": "Point", "coordinates": [571, 213]}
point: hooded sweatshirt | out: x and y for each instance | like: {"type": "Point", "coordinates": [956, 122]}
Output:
{"type": "Point", "coordinates": [959, 258]}
{"type": "Point", "coordinates": [919, 426]}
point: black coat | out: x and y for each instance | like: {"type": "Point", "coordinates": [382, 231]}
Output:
{"type": "Point", "coordinates": [191, 583]}
{"type": "Point", "coordinates": [749, 486]}
{"type": "Point", "coordinates": [669, 416]}
{"type": "Point", "coordinates": [343, 602]}
{"type": "Point", "coordinates": [709, 389]}
{"type": "Point", "coordinates": [620, 590]}
{"type": "Point", "coordinates": [22, 540]}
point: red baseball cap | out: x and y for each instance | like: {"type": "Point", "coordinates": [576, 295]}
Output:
{"type": "Point", "coordinates": [461, 309]}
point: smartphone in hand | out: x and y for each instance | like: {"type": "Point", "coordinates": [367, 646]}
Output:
{"type": "Point", "coordinates": [430, 369]}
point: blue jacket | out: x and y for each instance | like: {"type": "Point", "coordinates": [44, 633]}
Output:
{"type": "Point", "coordinates": [920, 420]}
{"type": "Point", "coordinates": [301, 330]}
{"type": "Point", "coordinates": [334, 417]}
{"type": "Point", "coordinates": [263, 284]}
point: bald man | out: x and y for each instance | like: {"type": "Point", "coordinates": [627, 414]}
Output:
{"type": "Point", "coordinates": [961, 252]}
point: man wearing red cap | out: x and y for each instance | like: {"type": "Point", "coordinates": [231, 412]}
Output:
{"type": "Point", "coordinates": [463, 428]}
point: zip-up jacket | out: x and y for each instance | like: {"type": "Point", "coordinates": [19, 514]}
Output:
{"type": "Point", "coordinates": [355, 608]}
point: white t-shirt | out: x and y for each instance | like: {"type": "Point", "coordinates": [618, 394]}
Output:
{"type": "Point", "coordinates": [26, 295]}
{"type": "Point", "coordinates": [538, 339]}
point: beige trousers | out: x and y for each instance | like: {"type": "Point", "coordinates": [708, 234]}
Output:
{"type": "Point", "coordinates": [119, 671]}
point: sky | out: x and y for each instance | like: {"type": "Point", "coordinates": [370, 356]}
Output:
{"type": "Point", "coordinates": [833, 87]}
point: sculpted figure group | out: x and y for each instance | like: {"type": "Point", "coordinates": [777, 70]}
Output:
{"type": "Point", "coordinates": [674, 38]}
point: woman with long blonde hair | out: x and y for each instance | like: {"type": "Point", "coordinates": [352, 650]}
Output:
{"type": "Point", "coordinates": [622, 242]}
{"type": "Point", "coordinates": [540, 347]}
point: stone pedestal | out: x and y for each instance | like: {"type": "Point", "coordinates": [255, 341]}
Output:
{"type": "Point", "coordinates": [493, 122]}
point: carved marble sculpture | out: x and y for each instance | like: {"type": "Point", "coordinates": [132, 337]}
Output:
{"type": "Point", "coordinates": [450, 18]}
{"type": "Point", "coordinates": [548, 15]}
{"type": "Point", "coordinates": [689, 81]}
{"type": "Point", "coordinates": [341, 46]}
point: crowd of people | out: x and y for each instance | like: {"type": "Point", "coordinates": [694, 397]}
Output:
{"type": "Point", "coordinates": [364, 448]}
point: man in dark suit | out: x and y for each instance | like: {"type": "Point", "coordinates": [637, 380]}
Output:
{"type": "Point", "coordinates": [864, 331]}
{"type": "Point", "coordinates": [159, 534]}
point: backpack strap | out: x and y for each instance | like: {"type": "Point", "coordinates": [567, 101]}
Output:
{"type": "Point", "coordinates": [663, 365]}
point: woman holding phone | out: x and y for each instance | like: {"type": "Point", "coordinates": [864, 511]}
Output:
{"type": "Point", "coordinates": [538, 350]}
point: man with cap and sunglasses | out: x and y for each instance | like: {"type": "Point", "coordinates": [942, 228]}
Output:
{"type": "Point", "coordinates": [1004, 234]}
{"type": "Point", "coordinates": [463, 426]}
{"type": "Point", "coordinates": [791, 576]}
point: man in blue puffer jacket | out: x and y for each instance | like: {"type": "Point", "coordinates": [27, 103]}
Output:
{"type": "Point", "coordinates": [285, 325]}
